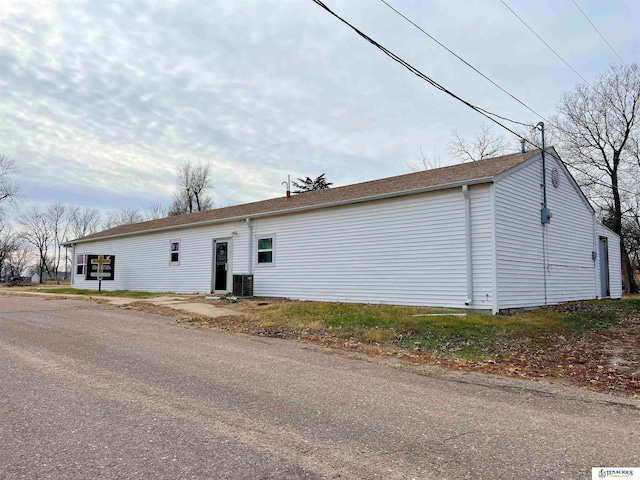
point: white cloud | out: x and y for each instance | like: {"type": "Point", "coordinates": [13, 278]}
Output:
{"type": "Point", "coordinates": [109, 98]}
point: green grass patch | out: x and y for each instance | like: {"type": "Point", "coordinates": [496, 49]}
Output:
{"type": "Point", "coordinates": [595, 315]}
{"type": "Point", "coordinates": [475, 336]}
{"type": "Point", "coordinates": [113, 293]}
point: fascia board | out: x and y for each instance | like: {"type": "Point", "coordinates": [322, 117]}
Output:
{"type": "Point", "coordinates": [607, 228]}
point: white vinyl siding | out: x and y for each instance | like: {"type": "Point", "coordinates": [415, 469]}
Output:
{"type": "Point", "coordinates": [570, 265]}
{"type": "Point", "coordinates": [406, 251]}
{"type": "Point", "coordinates": [519, 266]}
{"type": "Point", "coordinates": [568, 240]}
{"type": "Point", "coordinates": [482, 246]}
{"type": "Point", "coordinates": [141, 260]}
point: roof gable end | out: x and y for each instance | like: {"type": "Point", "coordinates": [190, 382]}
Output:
{"type": "Point", "coordinates": [554, 153]}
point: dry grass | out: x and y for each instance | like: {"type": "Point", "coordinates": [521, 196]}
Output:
{"type": "Point", "coordinates": [572, 341]}
{"type": "Point", "coordinates": [66, 290]}
{"type": "Point", "coordinates": [474, 337]}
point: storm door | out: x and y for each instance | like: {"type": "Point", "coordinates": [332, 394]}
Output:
{"type": "Point", "coordinates": [605, 287]}
{"type": "Point", "coordinates": [221, 266]}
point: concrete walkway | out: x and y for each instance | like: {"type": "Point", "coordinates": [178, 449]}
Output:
{"type": "Point", "coordinates": [183, 303]}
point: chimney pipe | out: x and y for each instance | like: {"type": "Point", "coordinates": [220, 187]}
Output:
{"type": "Point", "coordinates": [288, 184]}
{"type": "Point", "coordinates": [522, 146]}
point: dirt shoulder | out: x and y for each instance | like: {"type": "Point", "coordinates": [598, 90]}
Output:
{"type": "Point", "coordinates": [605, 361]}
{"type": "Point", "coordinates": [595, 345]}
{"type": "Point", "coordinates": [591, 344]}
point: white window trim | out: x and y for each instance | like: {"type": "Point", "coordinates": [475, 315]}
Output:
{"type": "Point", "coordinates": [272, 250]}
{"type": "Point", "coordinates": [84, 265]}
{"type": "Point", "coordinates": [179, 251]}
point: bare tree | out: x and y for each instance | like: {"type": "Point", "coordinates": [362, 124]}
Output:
{"type": "Point", "coordinates": [125, 216]}
{"type": "Point", "coordinates": [37, 230]}
{"type": "Point", "coordinates": [61, 219]}
{"type": "Point", "coordinates": [193, 187]}
{"type": "Point", "coordinates": [8, 245]}
{"type": "Point", "coordinates": [631, 229]}
{"type": "Point", "coordinates": [158, 209]}
{"type": "Point", "coordinates": [84, 221]}
{"type": "Point", "coordinates": [599, 128]}
{"type": "Point", "coordinates": [424, 162]}
{"type": "Point", "coordinates": [310, 185]}
{"type": "Point", "coordinates": [17, 262]}
{"type": "Point", "coordinates": [485, 144]}
{"type": "Point", "coordinates": [8, 188]}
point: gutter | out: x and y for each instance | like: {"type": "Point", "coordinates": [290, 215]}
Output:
{"type": "Point", "coordinates": [288, 210]}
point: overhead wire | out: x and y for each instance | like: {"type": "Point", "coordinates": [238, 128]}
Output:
{"type": "Point", "coordinates": [623, 62]}
{"type": "Point", "coordinates": [486, 113]}
{"type": "Point", "coordinates": [598, 31]}
{"type": "Point", "coordinates": [547, 45]}
{"type": "Point", "coordinates": [464, 61]}
{"type": "Point", "coordinates": [435, 84]}
{"type": "Point", "coordinates": [557, 54]}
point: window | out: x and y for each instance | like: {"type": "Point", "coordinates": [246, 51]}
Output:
{"type": "Point", "coordinates": [175, 251]}
{"type": "Point", "coordinates": [265, 250]}
{"type": "Point", "coordinates": [81, 261]}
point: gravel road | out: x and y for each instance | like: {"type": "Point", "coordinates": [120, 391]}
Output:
{"type": "Point", "coordinates": [88, 391]}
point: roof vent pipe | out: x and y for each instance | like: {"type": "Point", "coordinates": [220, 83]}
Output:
{"type": "Point", "coordinates": [523, 149]}
{"type": "Point", "coordinates": [288, 184]}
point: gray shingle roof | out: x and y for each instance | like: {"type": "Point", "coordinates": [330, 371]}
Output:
{"type": "Point", "coordinates": [483, 170]}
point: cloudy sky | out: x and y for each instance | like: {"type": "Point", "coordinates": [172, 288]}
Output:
{"type": "Point", "coordinates": [100, 101]}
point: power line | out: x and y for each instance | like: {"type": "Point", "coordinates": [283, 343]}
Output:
{"type": "Point", "coordinates": [598, 31]}
{"type": "Point", "coordinates": [419, 74]}
{"type": "Point", "coordinates": [548, 46]}
{"type": "Point", "coordinates": [558, 55]}
{"type": "Point", "coordinates": [464, 61]}
{"type": "Point", "coordinates": [549, 122]}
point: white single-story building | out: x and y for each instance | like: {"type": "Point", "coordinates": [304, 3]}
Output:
{"type": "Point", "coordinates": [465, 236]}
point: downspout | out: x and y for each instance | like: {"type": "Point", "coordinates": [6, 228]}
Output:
{"type": "Point", "coordinates": [467, 228]}
{"type": "Point", "coordinates": [250, 246]}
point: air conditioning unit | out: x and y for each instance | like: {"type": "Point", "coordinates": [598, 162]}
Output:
{"type": "Point", "coordinates": [243, 285]}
